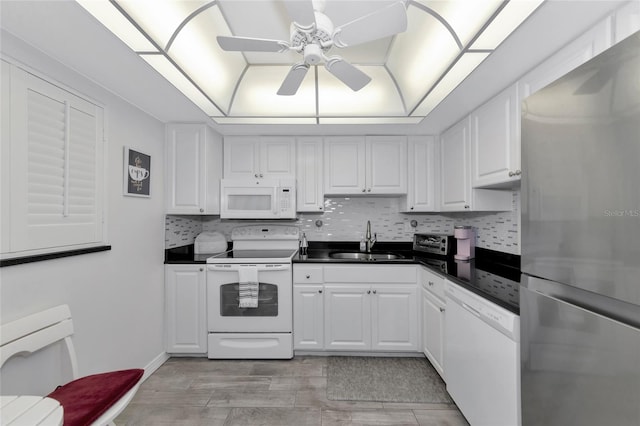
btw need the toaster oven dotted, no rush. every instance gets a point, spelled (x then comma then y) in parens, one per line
(440, 244)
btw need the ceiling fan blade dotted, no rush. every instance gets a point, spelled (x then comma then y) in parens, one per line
(301, 12)
(293, 80)
(235, 44)
(347, 73)
(382, 23)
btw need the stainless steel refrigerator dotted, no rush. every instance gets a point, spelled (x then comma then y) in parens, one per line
(580, 288)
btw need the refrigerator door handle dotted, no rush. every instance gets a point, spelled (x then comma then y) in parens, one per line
(587, 309)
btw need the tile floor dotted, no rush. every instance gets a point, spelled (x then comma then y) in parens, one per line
(198, 391)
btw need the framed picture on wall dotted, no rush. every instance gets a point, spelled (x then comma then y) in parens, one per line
(137, 173)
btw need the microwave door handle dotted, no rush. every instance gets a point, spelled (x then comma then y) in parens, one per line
(276, 204)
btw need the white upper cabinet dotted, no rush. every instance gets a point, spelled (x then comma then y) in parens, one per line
(344, 160)
(455, 176)
(454, 166)
(193, 169)
(310, 196)
(258, 157)
(371, 165)
(422, 184)
(386, 164)
(495, 141)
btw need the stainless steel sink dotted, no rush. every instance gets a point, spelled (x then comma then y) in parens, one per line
(364, 256)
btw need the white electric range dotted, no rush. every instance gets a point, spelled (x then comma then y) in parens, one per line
(250, 293)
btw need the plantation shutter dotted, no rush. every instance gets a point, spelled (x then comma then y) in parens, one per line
(57, 166)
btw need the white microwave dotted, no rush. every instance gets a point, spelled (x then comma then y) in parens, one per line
(258, 199)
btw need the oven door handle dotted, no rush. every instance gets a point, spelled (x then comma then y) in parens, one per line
(236, 267)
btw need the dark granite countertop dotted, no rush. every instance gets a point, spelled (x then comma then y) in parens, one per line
(492, 275)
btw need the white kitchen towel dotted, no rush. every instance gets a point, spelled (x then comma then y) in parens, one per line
(248, 287)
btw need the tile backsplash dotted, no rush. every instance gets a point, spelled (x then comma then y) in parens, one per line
(344, 219)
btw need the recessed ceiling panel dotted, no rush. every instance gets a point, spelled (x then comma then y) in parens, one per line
(420, 55)
(465, 17)
(160, 19)
(465, 65)
(197, 53)
(510, 17)
(266, 120)
(257, 94)
(370, 120)
(411, 72)
(378, 98)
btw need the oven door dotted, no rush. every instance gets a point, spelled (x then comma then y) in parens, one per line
(274, 311)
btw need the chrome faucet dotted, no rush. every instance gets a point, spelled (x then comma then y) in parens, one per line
(368, 241)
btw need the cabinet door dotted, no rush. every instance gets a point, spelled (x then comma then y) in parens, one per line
(185, 168)
(433, 314)
(310, 196)
(347, 317)
(308, 313)
(394, 317)
(241, 157)
(422, 171)
(495, 140)
(277, 157)
(185, 294)
(344, 167)
(454, 165)
(386, 165)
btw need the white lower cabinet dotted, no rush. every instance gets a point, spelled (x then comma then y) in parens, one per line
(356, 308)
(185, 299)
(433, 319)
(308, 313)
(347, 317)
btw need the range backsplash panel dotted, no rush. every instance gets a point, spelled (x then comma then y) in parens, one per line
(345, 219)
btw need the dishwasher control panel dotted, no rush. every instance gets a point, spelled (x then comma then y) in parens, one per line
(499, 318)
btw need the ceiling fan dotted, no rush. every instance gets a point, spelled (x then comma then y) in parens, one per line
(313, 34)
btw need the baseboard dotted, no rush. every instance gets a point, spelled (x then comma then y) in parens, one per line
(155, 363)
(356, 353)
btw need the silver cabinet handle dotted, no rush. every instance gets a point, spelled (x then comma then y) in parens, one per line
(320, 208)
(431, 283)
(368, 291)
(261, 175)
(364, 190)
(374, 291)
(320, 291)
(511, 174)
(308, 276)
(518, 172)
(201, 210)
(411, 208)
(256, 175)
(441, 309)
(201, 269)
(466, 206)
(369, 190)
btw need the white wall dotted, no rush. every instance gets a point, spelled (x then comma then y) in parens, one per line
(116, 297)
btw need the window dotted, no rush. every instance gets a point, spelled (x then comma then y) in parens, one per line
(52, 167)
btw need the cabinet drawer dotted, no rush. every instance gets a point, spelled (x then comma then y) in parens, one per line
(370, 274)
(433, 283)
(307, 274)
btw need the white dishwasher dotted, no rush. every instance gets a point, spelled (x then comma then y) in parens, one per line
(482, 358)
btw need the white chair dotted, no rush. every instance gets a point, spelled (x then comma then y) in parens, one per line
(91, 400)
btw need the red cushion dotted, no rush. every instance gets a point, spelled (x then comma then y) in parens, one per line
(87, 398)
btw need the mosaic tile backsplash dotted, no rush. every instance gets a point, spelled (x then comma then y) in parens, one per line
(345, 219)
